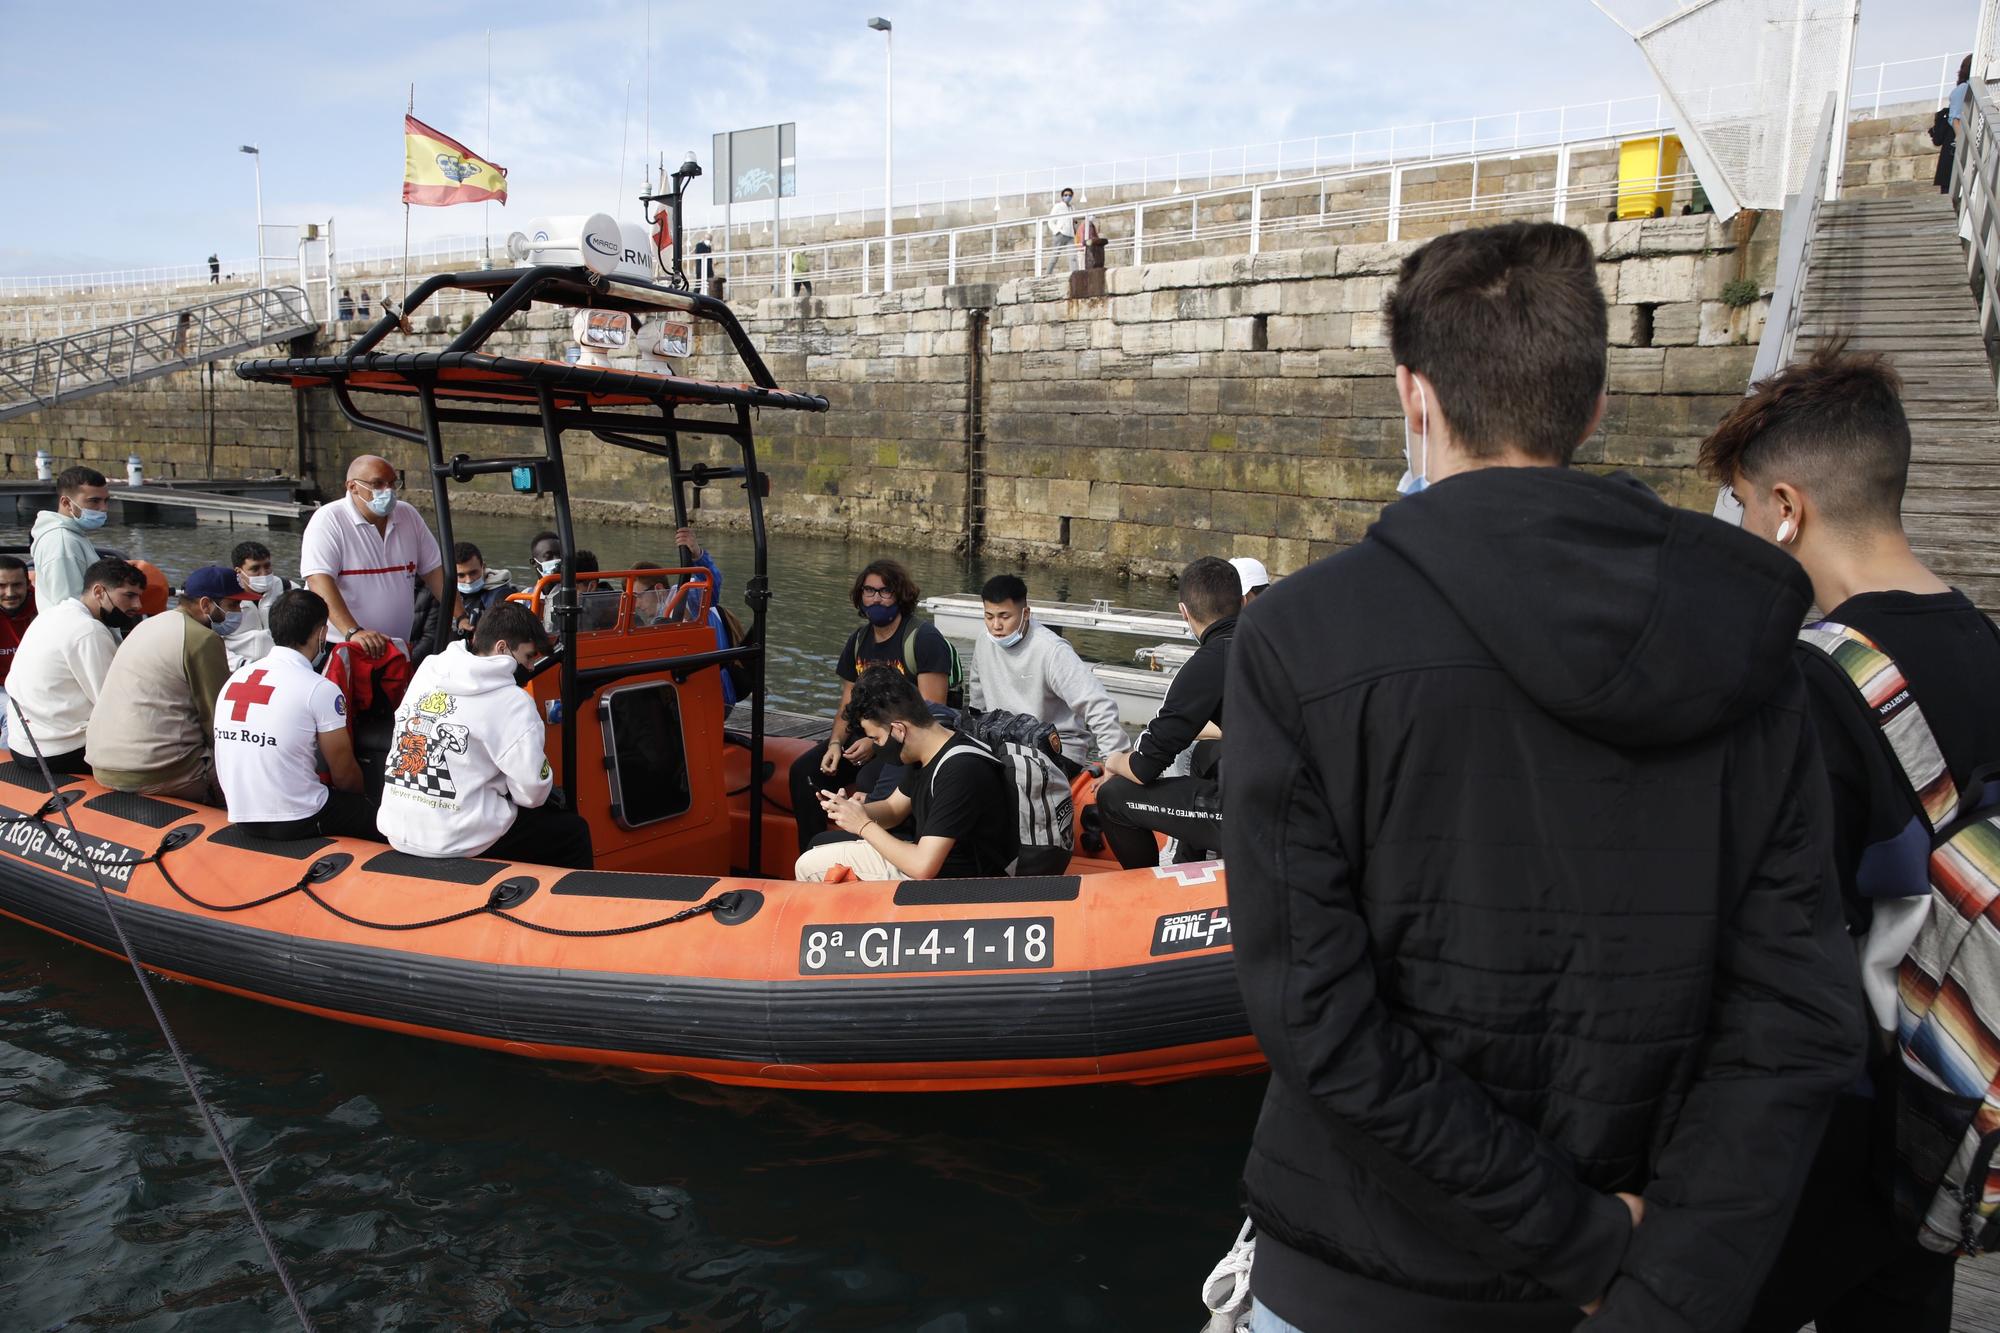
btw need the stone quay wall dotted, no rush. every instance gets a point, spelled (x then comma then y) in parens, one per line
(1237, 406)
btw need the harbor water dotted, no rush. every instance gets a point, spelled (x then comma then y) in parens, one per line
(419, 1186)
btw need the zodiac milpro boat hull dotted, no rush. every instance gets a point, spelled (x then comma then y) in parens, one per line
(1121, 976)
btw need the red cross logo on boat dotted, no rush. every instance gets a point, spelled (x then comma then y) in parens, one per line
(248, 691)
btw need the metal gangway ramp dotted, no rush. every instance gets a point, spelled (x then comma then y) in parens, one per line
(60, 370)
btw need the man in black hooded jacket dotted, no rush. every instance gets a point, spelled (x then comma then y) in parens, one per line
(1529, 869)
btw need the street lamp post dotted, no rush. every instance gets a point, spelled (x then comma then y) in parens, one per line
(887, 29)
(257, 160)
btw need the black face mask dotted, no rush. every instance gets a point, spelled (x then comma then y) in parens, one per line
(117, 621)
(891, 750)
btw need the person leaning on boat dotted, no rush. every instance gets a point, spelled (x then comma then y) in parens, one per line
(365, 556)
(152, 731)
(276, 719)
(1021, 666)
(1530, 882)
(62, 548)
(956, 795)
(59, 669)
(893, 640)
(467, 773)
(17, 612)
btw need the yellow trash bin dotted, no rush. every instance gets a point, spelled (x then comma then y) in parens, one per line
(1645, 169)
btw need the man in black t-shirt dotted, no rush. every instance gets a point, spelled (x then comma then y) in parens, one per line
(956, 793)
(1819, 456)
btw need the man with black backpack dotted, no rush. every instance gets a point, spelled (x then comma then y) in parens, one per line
(1819, 455)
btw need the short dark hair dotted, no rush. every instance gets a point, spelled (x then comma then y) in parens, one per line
(1508, 325)
(464, 551)
(13, 563)
(247, 551)
(584, 561)
(1211, 589)
(294, 617)
(883, 696)
(1005, 588)
(113, 573)
(646, 585)
(1835, 424)
(514, 623)
(543, 536)
(73, 479)
(895, 578)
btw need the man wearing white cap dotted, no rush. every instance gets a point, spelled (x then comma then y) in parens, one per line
(1255, 577)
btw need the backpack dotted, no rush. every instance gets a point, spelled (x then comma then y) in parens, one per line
(1946, 1089)
(954, 684)
(1941, 126)
(1045, 815)
(738, 672)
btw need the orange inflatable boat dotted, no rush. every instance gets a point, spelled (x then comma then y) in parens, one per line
(685, 951)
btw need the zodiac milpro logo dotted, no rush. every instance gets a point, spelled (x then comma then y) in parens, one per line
(1182, 931)
(456, 168)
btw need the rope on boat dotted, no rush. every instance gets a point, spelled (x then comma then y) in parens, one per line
(160, 1017)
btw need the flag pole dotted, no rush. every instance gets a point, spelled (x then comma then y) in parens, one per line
(486, 208)
(406, 219)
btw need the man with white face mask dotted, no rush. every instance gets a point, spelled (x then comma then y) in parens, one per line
(252, 640)
(1022, 667)
(152, 731)
(365, 556)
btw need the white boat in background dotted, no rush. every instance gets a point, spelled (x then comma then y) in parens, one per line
(1138, 689)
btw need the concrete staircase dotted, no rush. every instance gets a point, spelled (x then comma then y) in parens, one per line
(1890, 275)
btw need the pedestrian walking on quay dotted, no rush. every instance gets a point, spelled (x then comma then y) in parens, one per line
(1529, 866)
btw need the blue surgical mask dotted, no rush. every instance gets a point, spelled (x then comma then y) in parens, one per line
(382, 501)
(90, 520)
(467, 589)
(1413, 476)
(1011, 639)
(879, 614)
(229, 623)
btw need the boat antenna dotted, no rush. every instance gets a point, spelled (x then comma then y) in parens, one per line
(79, 851)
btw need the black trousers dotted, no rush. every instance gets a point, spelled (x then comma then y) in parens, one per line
(807, 782)
(69, 762)
(346, 814)
(547, 836)
(1844, 1264)
(1186, 808)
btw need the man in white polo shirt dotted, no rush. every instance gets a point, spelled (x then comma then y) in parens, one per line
(275, 719)
(364, 556)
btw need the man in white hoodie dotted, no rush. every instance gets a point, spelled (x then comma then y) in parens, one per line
(1023, 667)
(62, 547)
(60, 667)
(467, 773)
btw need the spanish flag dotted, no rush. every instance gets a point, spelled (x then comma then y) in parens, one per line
(439, 170)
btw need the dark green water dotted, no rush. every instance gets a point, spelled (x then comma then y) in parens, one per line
(419, 1186)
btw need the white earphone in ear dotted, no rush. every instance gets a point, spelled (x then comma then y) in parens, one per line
(1785, 531)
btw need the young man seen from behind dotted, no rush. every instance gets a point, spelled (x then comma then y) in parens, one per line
(59, 670)
(276, 721)
(1022, 667)
(153, 729)
(1529, 879)
(1819, 456)
(62, 547)
(466, 774)
(17, 612)
(956, 793)
(1136, 796)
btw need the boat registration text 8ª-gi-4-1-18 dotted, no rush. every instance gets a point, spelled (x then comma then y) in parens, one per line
(928, 946)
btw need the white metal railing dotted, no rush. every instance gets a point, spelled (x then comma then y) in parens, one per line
(1975, 184)
(1155, 229)
(1892, 83)
(1795, 243)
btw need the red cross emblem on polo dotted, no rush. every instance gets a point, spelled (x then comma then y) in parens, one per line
(247, 692)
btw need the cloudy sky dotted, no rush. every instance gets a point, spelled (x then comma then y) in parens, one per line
(119, 124)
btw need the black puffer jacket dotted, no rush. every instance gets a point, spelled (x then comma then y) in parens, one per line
(1528, 876)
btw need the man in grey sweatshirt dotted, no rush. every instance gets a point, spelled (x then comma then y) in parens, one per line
(1023, 668)
(62, 547)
